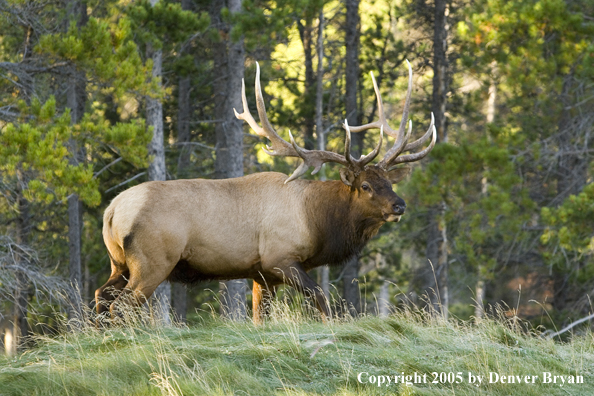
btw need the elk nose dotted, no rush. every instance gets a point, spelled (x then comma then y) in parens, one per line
(399, 207)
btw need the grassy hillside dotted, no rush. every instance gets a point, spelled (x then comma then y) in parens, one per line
(296, 356)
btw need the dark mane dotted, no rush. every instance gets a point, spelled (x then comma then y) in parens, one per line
(341, 231)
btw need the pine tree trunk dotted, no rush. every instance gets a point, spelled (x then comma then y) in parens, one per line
(440, 68)
(437, 248)
(74, 247)
(479, 291)
(183, 117)
(571, 173)
(306, 35)
(352, 294)
(179, 295)
(21, 325)
(323, 271)
(178, 291)
(352, 37)
(183, 127)
(443, 266)
(437, 254)
(572, 166)
(384, 300)
(75, 101)
(154, 119)
(86, 295)
(179, 302)
(320, 90)
(21, 297)
(157, 169)
(229, 60)
(480, 287)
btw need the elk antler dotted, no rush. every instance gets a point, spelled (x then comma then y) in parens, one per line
(391, 156)
(280, 147)
(365, 159)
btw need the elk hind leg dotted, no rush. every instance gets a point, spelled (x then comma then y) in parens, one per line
(134, 296)
(141, 285)
(107, 293)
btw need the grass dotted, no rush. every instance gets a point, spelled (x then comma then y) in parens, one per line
(295, 355)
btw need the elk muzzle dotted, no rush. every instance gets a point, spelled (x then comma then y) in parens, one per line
(397, 210)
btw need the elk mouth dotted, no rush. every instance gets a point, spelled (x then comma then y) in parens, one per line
(393, 217)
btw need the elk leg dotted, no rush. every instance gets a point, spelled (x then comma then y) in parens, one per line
(301, 281)
(105, 295)
(257, 303)
(262, 296)
(134, 295)
(141, 286)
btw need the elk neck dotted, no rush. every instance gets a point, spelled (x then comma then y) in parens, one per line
(339, 227)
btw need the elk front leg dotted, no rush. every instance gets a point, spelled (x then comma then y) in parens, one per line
(262, 296)
(301, 281)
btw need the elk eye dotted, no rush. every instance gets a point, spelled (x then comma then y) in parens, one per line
(365, 187)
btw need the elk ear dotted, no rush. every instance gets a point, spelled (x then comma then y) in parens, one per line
(347, 176)
(397, 174)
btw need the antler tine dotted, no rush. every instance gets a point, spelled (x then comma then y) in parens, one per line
(401, 139)
(316, 158)
(364, 160)
(382, 116)
(279, 146)
(371, 156)
(304, 166)
(421, 154)
(419, 142)
(400, 135)
(347, 145)
(246, 115)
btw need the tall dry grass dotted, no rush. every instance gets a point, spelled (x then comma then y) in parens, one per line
(293, 353)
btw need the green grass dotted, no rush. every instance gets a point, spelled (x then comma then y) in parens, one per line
(296, 356)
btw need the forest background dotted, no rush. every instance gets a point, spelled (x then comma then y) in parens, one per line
(97, 96)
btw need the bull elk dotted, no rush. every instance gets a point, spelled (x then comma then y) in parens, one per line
(264, 226)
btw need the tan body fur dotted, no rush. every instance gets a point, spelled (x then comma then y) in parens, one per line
(223, 228)
(253, 227)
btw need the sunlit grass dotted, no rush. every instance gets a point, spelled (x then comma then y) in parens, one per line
(292, 353)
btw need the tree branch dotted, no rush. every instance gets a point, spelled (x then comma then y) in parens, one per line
(570, 326)
(126, 182)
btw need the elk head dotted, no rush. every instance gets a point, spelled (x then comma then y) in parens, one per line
(370, 185)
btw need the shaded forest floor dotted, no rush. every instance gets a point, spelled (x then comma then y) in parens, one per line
(297, 356)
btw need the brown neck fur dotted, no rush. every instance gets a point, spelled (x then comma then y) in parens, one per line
(341, 228)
